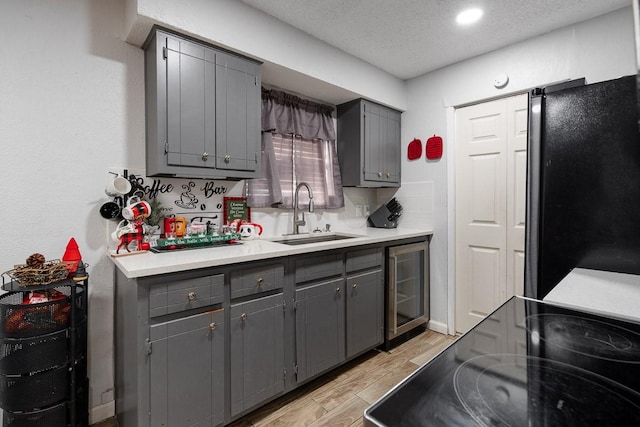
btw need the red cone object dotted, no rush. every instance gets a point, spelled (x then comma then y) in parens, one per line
(72, 255)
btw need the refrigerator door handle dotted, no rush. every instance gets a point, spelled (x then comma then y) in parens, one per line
(534, 187)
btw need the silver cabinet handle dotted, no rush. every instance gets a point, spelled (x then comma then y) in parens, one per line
(191, 296)
(243, 316)
(260, 281)
(355, 285)
(227, 158)
(387, 174)
(212, 326)
(379, 174)
(205, 156)
(338, 290)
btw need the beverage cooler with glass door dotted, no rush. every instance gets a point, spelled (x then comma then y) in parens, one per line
(407, 298)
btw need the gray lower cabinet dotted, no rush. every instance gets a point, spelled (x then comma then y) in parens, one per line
(319, 314)
(365, 311)
(186, 371)
(256, 351)
(205, 347)
(202, 109)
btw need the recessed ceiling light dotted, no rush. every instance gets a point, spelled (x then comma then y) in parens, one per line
(469, 16)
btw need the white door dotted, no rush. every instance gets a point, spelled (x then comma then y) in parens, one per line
(490, 171)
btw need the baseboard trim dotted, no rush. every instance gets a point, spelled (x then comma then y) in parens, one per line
(438, 327)
(102, 412)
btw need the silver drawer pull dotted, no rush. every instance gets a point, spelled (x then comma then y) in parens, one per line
(379, 174)
(260, 281)
(355, 285)
(191, 296)
(212, 326)
(243, 316)
(337, 290)
(227, 158)
(205, 156)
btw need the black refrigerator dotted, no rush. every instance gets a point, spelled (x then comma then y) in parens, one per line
(583, 182)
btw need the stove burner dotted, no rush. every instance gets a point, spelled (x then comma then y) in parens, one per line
(587, 336)
(518, 390)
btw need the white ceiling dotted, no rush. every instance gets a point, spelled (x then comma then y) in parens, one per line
(408, 38)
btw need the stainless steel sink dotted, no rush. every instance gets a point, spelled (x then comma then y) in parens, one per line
(313, 238)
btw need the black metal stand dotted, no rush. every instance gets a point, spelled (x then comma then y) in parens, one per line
(43, 355)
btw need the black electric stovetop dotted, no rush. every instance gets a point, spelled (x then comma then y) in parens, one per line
(528, 364)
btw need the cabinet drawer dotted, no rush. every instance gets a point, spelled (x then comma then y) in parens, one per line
(256, 280)
(185, 294)
(318, 267)
(363, 259)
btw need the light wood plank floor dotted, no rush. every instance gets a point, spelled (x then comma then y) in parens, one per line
(339, 398)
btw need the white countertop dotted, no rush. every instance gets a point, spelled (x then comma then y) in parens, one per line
(148, 263)
(601, 292)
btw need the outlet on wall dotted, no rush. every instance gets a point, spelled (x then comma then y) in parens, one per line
(359, 210)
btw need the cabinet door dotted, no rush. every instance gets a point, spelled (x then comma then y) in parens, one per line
(238, 113)
(257, 351)
(319, 328)
(381, 144)
(365, 310)
(186, 371)
(372, 143)
(390, 164)
(191, 105)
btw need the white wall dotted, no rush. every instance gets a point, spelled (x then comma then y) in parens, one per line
(599, 49)
(71, 105)
(293, 59)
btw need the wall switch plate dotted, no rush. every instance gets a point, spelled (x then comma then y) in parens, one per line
(359, 210)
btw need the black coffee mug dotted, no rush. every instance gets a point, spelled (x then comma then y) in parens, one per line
(111, 210)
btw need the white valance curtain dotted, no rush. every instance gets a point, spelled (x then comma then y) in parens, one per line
(298, 144)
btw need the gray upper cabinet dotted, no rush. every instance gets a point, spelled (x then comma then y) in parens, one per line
(237, 113)
(369, 136)
(203, 109)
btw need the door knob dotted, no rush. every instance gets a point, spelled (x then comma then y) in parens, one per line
(191, 296)
(243, 316)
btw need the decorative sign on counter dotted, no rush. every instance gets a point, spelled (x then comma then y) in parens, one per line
(198, 202)
(199, 240)
(236, 208)
(194, 199)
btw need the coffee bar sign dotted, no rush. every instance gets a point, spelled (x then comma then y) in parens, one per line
(194, 199)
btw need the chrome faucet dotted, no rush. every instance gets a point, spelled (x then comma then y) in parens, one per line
(298, 222)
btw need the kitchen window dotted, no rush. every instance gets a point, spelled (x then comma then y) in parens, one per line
(298, 145)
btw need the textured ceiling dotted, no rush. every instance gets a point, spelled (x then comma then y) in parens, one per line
(408, 38)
